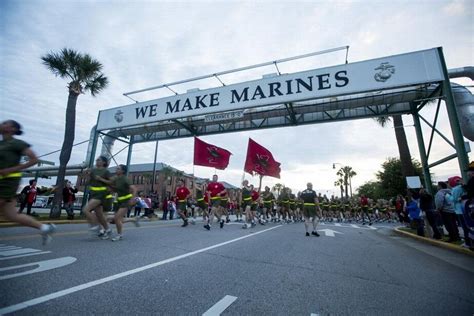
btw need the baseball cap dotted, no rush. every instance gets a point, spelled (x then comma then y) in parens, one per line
(453, 181)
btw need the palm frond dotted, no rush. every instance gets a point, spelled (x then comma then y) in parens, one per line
(383, 120)
(96, 85)
(57, 65)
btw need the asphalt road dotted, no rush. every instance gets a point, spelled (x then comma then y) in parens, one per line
(161, 268)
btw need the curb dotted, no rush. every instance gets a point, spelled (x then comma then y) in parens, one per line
(435, 242)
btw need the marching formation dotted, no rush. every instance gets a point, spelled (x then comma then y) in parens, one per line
(112, 196)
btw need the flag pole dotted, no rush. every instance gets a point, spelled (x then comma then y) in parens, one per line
(260, 184)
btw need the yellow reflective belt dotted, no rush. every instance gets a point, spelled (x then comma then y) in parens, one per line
(202, 199)
(181, 201)
(11, 175)
(309, 204)
(247, 199)
(98, 188)
(109, 196)
(125, 197)
(215, 198)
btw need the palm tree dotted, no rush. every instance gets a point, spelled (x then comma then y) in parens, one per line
(85, 75)
(403, 149)
(346, 174)
(340, 183)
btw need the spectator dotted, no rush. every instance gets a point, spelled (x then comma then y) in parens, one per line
(400, 209)
(165, 209)
(140, 204)
(427, 206)
(457, 191)
(148, 206)
(444, 204)
(69, 196)
(468, 202)
(172, 207)
(414, 213)
(28, 197)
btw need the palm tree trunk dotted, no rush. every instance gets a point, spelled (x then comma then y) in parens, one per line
(65, 153)
(403, 149)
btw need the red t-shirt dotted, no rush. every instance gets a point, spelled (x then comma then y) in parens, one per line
(32, 195)
(364, 201)
(215, 188)
(255, 195)
(182, 193)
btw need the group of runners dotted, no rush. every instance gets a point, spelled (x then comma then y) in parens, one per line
(211, 200)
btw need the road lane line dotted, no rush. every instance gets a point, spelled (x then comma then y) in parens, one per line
(337, 224)
(220, 306)
(26, 255)
(52, 296)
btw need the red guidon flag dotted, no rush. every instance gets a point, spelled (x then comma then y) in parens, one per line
(260, 160)
(209, 155)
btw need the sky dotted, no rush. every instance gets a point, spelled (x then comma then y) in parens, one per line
(147, 43)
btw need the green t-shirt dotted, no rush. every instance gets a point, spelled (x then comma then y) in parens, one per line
(308, 196)
(121, 185)
(11, 151)
(268, 197)
(101, 172)
(246, 194)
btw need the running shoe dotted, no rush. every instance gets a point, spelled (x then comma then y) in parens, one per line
(117, 238)
(315, 233)
(227, 220)
(207, 227)
(221, 224)
(107, 234)
(46, 234)
(307, 234)
(185, 223)
(245, 226)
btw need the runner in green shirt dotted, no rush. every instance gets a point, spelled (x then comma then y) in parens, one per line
(11, 150)
(310, 203)
(99, 177)
(125, 193)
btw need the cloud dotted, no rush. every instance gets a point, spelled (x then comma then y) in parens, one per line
(143, 44)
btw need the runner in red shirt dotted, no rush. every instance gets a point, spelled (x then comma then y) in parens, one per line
(182, 196)
(215, 190)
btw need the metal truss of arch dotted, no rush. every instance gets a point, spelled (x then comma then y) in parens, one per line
(409, 99)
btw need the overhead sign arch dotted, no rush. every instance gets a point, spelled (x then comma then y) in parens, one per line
(399, 84)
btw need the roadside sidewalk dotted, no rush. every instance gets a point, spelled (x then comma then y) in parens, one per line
(434, 242)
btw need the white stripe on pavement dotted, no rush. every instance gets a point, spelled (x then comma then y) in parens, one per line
(220, 306)
(26, 255)
(14, 252)
(337, 224)
(355, 226)
(52, 296)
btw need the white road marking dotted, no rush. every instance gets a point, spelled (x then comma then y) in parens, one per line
(330, 232)
(52, 296)
(355, 226)
(8, 248)
(42, 266)
(313, 314)
(26, 255)
(337, 224)
(220, 306)
(15, 252)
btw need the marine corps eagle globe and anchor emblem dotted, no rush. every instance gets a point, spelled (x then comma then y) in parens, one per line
(118, 116)
(386, 71)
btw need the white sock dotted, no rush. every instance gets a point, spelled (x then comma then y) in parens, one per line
(44, 228)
